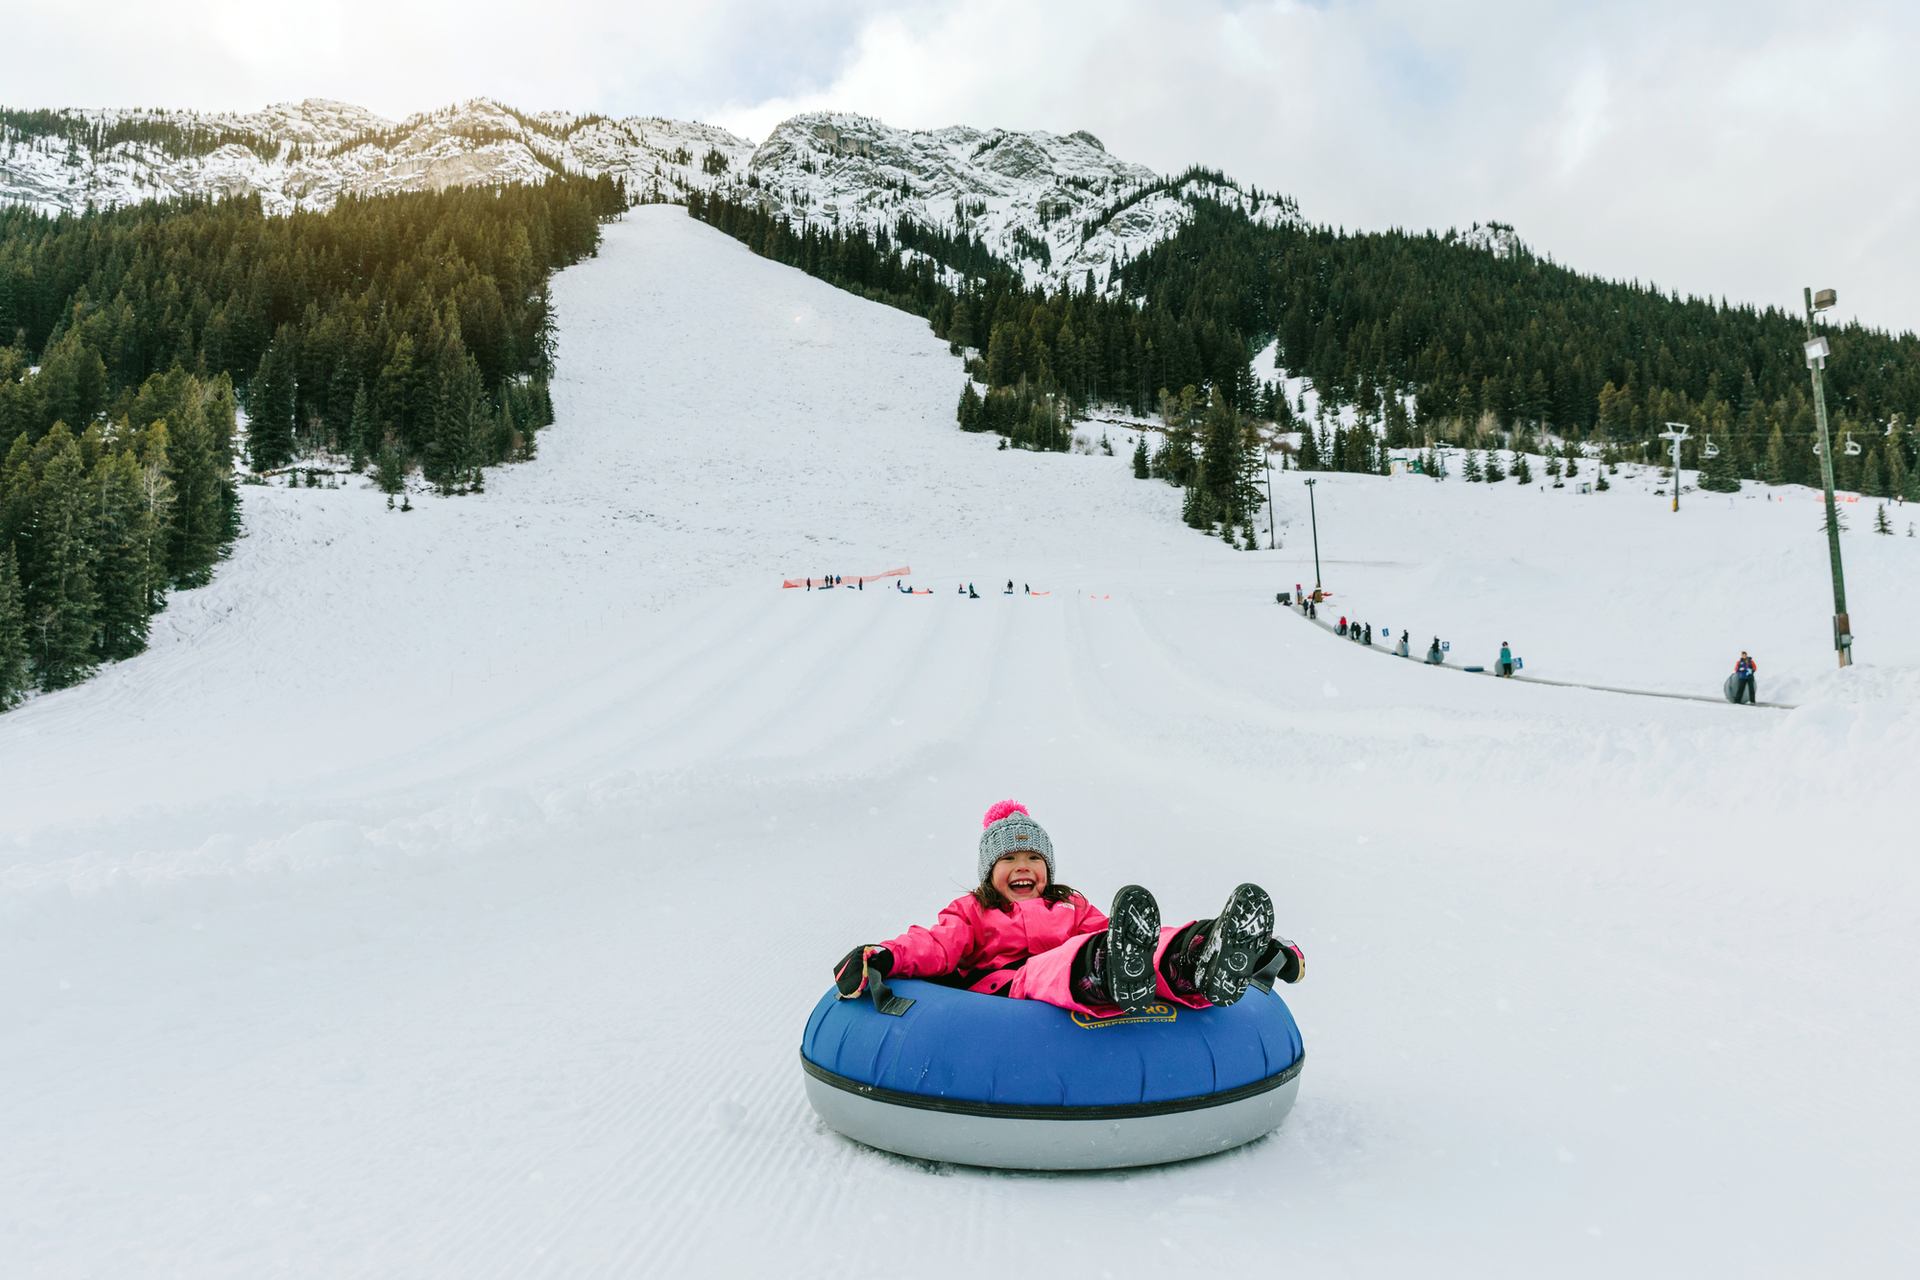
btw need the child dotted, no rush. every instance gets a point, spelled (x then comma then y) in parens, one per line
(1024, 934)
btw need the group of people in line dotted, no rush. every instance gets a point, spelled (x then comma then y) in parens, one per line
(860, 584)
(1308, 602)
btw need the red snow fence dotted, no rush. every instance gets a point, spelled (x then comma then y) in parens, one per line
(845, 580)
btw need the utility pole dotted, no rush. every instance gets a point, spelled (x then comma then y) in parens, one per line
(1676, 432)
(1315, 516)
(1816, 349)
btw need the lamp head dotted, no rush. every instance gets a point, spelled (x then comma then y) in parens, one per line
(1824, 299)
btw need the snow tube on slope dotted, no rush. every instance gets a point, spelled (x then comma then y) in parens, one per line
(1017, 1084)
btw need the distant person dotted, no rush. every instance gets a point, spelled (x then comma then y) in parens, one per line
(971, 593)
(1402, 650)
(1743, 673)
(1313, 610)
(1343, 625)
(1434, 655)
(1506, 659)
(1366, 637)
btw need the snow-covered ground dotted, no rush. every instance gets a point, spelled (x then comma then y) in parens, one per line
(445, 892)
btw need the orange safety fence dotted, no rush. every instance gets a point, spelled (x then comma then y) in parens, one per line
(845, 581)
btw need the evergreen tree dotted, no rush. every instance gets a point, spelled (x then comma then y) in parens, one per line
(1880, 523)
(199, 491)
(1223, 461)
(1717, 475)
(1492, 469)
(1140, 457)
(390, 467)
(1474, 473)
(1309, 459)
(969, 411)
(1774, 469)
(1193, 506)
(121, 553)
(60, 597)
(361, 431)
(270, 405)
(1522, 469)
(13, 631)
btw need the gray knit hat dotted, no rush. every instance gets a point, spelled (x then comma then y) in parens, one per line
(1009, 827)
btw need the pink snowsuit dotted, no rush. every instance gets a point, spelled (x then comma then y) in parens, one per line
(982, 946)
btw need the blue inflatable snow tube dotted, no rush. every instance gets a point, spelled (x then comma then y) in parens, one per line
(1016, 1084)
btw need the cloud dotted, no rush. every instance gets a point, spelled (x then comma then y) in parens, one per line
(1720, 149)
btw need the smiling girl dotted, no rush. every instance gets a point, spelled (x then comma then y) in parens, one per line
(1023, 934)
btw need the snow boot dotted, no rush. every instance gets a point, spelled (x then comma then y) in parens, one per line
(1217, 958)
(1116, 967)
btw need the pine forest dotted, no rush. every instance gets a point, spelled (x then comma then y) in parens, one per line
(397, 330)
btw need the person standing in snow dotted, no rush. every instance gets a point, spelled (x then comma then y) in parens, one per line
(1434, 654)
(1506, 659)
(1366, 637)
(1402, 650)
(1343, 625)
(1021, 933)
(1744, 671)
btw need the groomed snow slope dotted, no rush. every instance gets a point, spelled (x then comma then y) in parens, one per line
(444, 893)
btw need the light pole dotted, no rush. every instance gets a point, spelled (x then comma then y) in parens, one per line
(1816, 349)
(1315, 517)
(1676, 432)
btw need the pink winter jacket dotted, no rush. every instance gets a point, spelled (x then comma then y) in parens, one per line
(970, 940)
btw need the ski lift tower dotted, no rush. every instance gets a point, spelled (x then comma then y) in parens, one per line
(1817, 351)
(1676, 432)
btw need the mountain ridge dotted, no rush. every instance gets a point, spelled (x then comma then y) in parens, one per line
(1059, 207)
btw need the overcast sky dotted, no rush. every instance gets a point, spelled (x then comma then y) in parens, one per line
(1737, 148)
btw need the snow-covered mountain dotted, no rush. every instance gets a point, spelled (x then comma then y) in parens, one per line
(306, 155)
(1058, 206)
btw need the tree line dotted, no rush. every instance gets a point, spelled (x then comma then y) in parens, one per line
(403, 330)
(1429, 340)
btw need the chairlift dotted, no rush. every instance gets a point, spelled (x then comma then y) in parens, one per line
(1709, 449)
(1851, 445)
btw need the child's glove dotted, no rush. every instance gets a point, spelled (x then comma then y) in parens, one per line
(1293, 961)
(850, 975)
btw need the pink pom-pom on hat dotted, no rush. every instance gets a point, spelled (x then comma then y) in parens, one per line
(1007, 827)
(1001, 809)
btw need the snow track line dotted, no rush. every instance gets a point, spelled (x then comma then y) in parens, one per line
(1386, 651)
